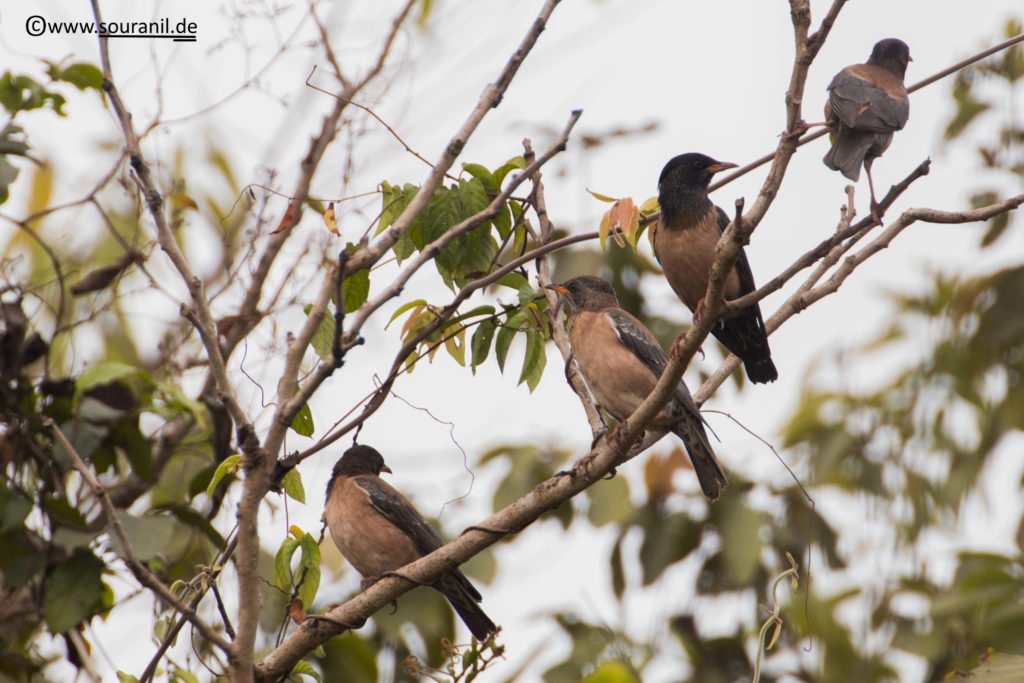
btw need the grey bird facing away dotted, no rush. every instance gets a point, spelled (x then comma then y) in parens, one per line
(621, 362)
(867, 103)
(378, 531)
(684, 244)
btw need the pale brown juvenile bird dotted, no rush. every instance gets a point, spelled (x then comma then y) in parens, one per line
(867, 103)
(621, 362)
(378, 531)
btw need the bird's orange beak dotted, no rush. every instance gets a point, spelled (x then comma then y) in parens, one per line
(387, 469)
(720, 166)
(557, 288)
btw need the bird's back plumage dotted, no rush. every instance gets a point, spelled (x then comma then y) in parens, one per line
(867, 103)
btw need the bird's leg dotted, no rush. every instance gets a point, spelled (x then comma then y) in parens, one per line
(583, 465)
(800, 128)
(876, 209)
(698, 312)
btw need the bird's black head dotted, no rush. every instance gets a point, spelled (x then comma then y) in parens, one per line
(685, 180)
(587, 292)
(893, 55)
(359, 460)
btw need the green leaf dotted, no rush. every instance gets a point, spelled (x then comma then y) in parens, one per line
(73, 591)
(618, 575)
(106, 372)
(14, 508)
(481, 342)
(455, 344)
(503, 221)
(309, 570)
(505, 335)
(526, 294)
(534, 361)
(513, 280)
(303, 422)
(292, 484)
(512, 164)
(137, 448)
(283, 562)
(82, 75)
(183, 675)
(609, 501)
(394, 201)
(611, 671)
(126, 678)
(230, 465)
(192, 517)
(21, 93)
(741, 527)
(355, 290)
(405, 307)
(149, 535)
(62, 510)
(484, 175)
(666, 541)
(306, 669)
(323, 338)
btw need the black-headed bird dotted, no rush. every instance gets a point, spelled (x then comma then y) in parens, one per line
(378, 531)
(684, 244)
(621, 362)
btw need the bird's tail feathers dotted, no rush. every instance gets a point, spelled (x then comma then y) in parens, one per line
(463, 599)
(709, 472)
(848, 152)
(761, 370)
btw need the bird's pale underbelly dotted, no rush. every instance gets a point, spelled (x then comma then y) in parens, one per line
(387, 550)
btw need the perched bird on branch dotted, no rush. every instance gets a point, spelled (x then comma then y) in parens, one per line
(866, 104)
(621, 362)
(378, 531)
(684, 244)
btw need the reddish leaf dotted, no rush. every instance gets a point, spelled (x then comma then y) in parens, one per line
(330, 221)
(286, 220)
(295, 611)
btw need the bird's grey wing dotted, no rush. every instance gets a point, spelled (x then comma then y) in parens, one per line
(859, 103)
(646, 348)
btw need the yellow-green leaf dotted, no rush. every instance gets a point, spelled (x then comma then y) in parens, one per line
(230, 465)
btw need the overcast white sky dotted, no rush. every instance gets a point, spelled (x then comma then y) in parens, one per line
(713, 75)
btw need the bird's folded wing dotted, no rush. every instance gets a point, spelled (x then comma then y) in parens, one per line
(859, 103)
(646, 348)
(400, 512)
(743, 271)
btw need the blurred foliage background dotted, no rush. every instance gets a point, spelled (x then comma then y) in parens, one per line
(895, 467)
